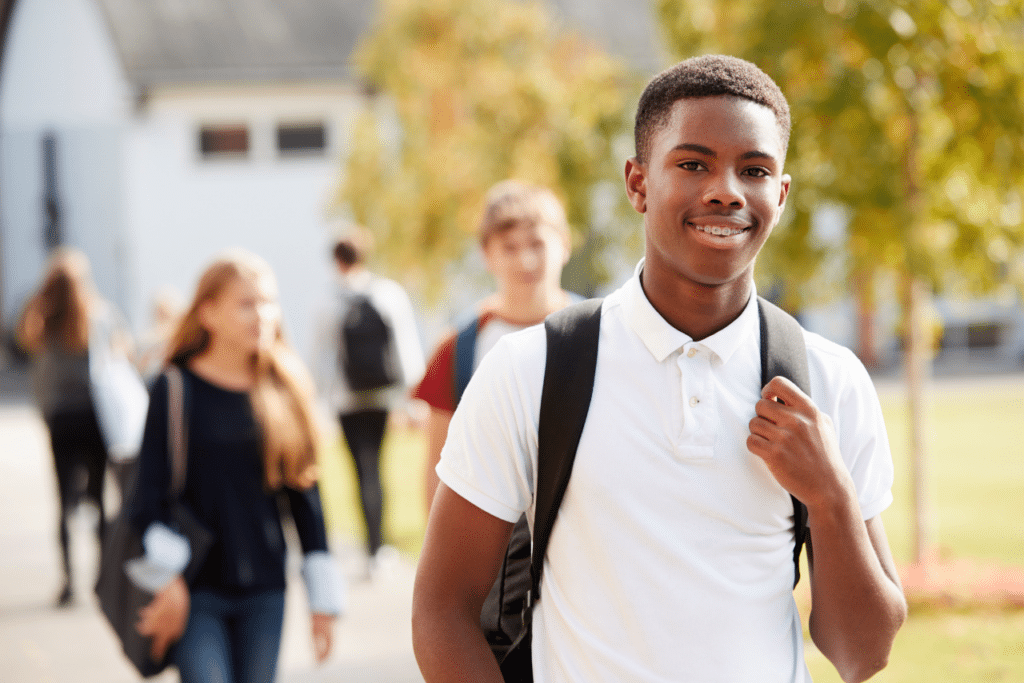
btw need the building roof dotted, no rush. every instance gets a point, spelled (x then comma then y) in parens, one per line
(184, 41)
(187, 41)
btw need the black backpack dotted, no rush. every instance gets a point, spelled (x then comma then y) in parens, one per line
(366, 355)
(572, 340)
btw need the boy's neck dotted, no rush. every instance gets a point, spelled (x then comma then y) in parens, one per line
(527, 308)
(698, 310)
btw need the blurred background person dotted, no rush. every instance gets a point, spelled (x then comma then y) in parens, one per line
(152, 346)
(367, 356)
(75, 339)
(525, 239)
(252, 444)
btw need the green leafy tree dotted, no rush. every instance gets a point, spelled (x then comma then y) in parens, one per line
(910, 115)
(470, 92)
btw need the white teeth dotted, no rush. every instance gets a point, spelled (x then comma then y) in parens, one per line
(715, 230)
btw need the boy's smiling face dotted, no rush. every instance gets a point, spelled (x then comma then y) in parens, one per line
(711, 190)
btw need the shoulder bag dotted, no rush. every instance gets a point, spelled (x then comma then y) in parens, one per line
(120, 599)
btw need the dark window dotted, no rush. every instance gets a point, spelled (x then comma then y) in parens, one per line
(224, 140)
(984, 335)
(301, 138)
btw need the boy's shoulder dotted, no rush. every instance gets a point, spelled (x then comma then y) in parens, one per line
(825, 350)
(836, 371)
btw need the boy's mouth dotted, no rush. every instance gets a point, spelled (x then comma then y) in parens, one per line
(719, 230)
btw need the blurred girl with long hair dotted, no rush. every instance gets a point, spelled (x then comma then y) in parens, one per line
(252, 443)
(55, 329)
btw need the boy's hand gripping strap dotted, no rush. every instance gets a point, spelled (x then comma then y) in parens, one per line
(784, 353)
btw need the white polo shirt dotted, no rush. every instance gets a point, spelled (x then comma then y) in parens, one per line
(671, 557)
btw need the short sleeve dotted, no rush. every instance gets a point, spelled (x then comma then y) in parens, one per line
(490, 455)
(845, 392)
(437, 385)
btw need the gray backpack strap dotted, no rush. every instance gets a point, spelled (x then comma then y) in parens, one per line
(177, 429)
(784, 353)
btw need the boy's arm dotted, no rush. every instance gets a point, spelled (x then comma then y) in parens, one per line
(857, 601)
(462, 553)
(856, 597)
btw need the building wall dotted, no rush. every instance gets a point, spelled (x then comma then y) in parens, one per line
(60, 76)
(183, 208)
(136, 195)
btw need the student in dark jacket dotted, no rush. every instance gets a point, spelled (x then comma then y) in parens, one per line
(252, 444)
(59, 323)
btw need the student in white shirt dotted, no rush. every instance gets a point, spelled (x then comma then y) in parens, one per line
(671, 556)
(363, 413)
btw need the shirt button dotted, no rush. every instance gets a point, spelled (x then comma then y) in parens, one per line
(694, 400)
(691, 353)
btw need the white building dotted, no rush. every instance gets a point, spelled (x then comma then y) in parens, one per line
(179, 129)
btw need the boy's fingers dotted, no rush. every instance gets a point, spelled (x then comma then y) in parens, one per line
(780, 388)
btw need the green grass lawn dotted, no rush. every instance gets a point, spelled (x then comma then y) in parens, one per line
(977, 482)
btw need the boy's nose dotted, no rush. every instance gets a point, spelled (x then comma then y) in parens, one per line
(528, 259)
(724, 189)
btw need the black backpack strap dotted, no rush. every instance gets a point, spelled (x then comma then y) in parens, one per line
(783, 352)
(572, 337)
(464, 355)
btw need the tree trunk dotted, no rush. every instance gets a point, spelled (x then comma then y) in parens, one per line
(917, 361)
(864, 299)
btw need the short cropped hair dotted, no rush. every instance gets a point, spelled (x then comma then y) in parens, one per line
(347, 252)
(511, 203)
(705, 76)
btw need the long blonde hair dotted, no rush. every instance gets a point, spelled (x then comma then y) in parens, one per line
(282, 394)
(59, 310)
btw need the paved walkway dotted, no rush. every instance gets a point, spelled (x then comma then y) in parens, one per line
(41, 644)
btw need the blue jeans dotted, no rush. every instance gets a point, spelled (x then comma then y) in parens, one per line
(231, 639)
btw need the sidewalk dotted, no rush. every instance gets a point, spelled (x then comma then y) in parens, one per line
(41, 644)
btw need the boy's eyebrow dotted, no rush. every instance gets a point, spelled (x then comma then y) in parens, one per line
(757, 154)
(693, 147)
(708, 152)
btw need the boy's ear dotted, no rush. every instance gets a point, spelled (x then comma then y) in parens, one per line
(636, 184)
(784, 191)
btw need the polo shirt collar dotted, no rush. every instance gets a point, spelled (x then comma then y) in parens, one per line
(661, 339)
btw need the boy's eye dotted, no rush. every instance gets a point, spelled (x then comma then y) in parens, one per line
(758, 172)
(690, 166)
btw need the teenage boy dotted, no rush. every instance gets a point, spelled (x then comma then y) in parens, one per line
(363, 413)
(525, 240)
(671, 555)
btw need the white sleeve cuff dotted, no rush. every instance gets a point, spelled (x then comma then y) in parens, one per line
(167, 555)
(324, 586)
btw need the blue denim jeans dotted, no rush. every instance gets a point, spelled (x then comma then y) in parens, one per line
(231, 639)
